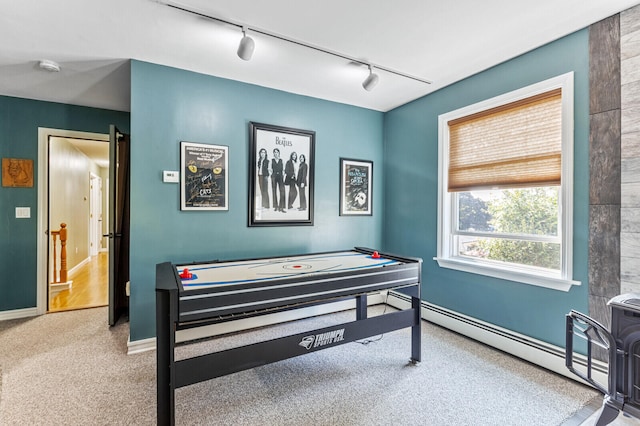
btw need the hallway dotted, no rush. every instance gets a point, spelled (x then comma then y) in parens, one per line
(90, 287)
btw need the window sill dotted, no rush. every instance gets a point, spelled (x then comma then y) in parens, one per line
(539, 280)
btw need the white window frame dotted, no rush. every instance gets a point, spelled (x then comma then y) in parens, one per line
(446, 254)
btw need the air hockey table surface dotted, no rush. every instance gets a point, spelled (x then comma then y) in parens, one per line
(271, 269)
(245, 287)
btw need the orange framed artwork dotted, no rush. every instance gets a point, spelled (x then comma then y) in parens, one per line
(17, 172)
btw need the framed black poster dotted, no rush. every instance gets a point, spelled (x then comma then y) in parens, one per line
(356, 187)
(204, 173)
(281, 168)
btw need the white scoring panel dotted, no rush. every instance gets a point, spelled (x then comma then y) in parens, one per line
(240, 272)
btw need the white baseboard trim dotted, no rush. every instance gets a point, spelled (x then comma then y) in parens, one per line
(139, 346)
(18, 313)
(533, 350)
(143, 345)
(78, 266)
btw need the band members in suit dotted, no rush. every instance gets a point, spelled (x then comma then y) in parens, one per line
(290, 171)
(277, 181)
(302, 181)
(263, 177)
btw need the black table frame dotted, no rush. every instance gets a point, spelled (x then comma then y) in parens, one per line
(174, 311)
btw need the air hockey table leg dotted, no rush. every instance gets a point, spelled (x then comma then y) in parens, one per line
(165, 336)
(361, 307)
(416, 332)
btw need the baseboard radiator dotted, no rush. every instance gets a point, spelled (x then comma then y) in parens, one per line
(532, 350)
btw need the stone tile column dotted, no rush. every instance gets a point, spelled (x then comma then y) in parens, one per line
(604, 164)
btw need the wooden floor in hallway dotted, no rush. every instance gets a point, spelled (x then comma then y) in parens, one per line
(90, 287)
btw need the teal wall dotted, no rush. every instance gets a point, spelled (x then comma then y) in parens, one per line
(411, 190)
(170, 105)
(19, 122)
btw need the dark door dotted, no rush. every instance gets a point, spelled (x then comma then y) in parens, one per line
(118, 224)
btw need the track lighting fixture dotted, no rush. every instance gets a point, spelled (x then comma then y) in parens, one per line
(371, 81)
(247, 45)
(245, 49)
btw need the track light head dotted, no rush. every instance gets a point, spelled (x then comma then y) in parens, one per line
(371, 81)
(245, 49)
(49, 65)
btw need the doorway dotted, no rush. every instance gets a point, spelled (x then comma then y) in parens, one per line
(73, 180)
(75, 205)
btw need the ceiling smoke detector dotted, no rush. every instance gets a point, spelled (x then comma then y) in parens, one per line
(48, 65)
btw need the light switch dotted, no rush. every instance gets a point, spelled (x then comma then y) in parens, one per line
(170, 176)
(23, 212)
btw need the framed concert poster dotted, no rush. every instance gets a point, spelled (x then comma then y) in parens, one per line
(281, 169)
(204, 177)
(356, 187)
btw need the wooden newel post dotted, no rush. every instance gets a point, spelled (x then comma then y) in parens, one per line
(63, 252)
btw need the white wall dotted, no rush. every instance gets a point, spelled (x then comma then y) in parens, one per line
(69, 171)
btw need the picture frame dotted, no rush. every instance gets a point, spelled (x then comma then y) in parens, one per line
(290, 176)
(17, 172)
(204, 176)
(356, 187)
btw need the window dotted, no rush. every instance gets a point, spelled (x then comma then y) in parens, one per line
(505, 186)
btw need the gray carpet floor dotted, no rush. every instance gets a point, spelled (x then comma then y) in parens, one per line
(72, 369)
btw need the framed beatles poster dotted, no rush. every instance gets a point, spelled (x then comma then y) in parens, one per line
(204, 177)
(356, 187)
(281, 171)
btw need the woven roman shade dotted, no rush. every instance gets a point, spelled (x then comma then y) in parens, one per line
(513, 145)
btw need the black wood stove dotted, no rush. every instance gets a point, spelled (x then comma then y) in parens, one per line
(620, 346)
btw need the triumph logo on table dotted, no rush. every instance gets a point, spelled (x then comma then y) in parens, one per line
(323, 339)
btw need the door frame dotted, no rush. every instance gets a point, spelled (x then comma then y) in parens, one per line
(42, 256)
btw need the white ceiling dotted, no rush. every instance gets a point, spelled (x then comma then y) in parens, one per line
(443, 41)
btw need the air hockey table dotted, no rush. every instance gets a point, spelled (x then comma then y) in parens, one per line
(198, 294)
